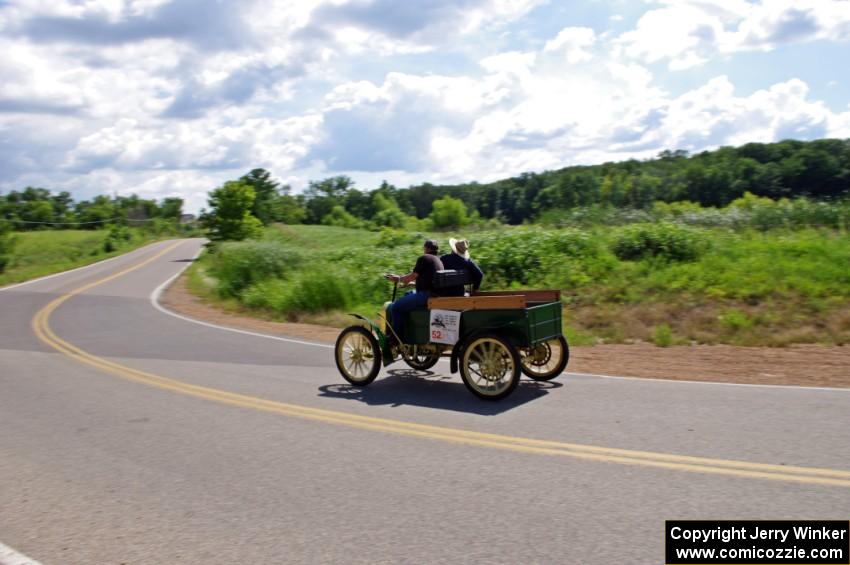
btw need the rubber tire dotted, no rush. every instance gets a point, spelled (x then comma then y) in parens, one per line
(464, 371)
(376, 352)
(565, 358)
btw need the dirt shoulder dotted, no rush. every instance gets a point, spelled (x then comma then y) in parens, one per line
(801, 365)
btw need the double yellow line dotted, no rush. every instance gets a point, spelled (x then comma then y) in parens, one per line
(818, 476)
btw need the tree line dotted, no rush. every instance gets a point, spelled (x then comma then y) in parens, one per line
(815, 169)
(240, 208)
(787, 169)
(39, 208)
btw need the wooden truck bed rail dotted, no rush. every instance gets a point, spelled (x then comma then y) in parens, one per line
(500, 302)
(530, 295)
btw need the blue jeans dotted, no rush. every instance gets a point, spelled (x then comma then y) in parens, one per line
(398, 309)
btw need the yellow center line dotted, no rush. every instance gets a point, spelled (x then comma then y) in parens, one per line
(811, 475)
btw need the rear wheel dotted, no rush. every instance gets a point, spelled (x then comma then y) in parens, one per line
(490, 367)
(546, 360)
(422, 357)
(358, 355)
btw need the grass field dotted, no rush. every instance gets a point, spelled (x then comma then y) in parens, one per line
(663, 283)
(40, 253)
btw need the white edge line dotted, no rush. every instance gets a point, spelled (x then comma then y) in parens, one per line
(717, 383)
(9, 556)
(155, 296)
(89, 266)
(157, 293)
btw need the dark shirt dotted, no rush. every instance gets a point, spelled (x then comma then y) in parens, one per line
(426, 267)
(458, 263)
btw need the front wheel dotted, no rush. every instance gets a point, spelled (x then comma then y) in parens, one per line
(490, 367)
(546, 360)
(358, 355)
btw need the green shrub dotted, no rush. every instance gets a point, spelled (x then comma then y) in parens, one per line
(269, 294)
(765, 214)
(391, 218)
(736, 320)
(118, 236)
(526, 256)
(161, 226)
(663, 336)
(393, 238)
(7, 244)
(315, 291)
(664, 240)
(676, 209)
(318, 291)
(339, 217)
(238, 265)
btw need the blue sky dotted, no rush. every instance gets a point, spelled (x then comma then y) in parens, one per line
(173, 97)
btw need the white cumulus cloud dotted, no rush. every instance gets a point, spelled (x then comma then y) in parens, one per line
(687, 33)
(575, 42)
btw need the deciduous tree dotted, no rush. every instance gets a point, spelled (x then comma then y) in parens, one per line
(448, 212)
(230, 216)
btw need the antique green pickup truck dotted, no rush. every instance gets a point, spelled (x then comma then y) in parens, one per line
(494, 336)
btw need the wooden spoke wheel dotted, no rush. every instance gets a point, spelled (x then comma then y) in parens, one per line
(490, 367)
(546, 360)
(358, 355)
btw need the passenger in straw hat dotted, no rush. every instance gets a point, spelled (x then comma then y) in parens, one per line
(459, 260)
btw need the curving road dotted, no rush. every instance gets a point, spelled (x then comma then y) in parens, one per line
(134, 436)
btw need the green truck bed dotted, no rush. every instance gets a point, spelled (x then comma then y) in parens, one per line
(524, 327)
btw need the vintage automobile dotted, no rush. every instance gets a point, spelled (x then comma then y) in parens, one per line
(497, 335)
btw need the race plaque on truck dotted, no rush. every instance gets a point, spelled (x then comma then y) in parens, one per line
(445, 326)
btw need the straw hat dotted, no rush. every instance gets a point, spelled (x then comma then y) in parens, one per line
(460, 246)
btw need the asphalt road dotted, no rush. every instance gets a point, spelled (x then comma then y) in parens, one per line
(132, 436)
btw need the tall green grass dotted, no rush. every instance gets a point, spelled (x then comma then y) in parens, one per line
(666, 282)
(40, 253)
(238, 265)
